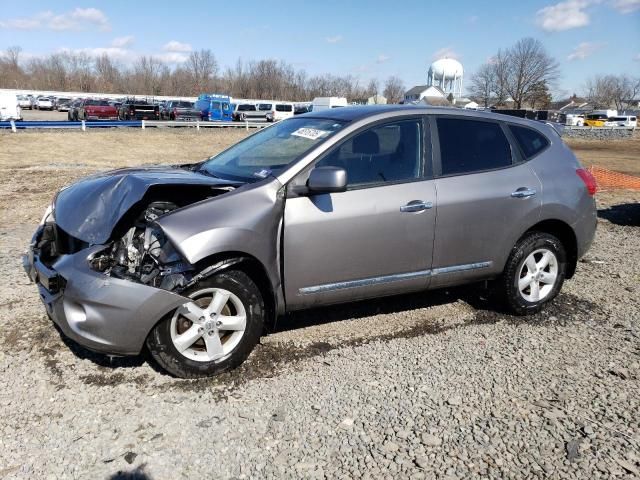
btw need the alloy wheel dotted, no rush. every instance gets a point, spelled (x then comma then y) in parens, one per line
(538, 275)
(209, 327)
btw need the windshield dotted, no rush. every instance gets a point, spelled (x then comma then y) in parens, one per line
(271, 150)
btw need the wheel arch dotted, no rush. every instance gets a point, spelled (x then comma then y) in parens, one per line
(250, 265)
(565, 234)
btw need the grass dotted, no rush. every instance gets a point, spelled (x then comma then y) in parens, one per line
(35, 164)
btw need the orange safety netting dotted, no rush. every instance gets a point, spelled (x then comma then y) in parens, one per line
(609, 179)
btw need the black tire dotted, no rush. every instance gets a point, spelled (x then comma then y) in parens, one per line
(164, 352)
(508, 282)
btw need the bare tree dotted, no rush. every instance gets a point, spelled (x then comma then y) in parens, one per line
(202, 66)
(604, 91)
(483, 84)
(527, 65)
(372, 88)
(394, 90)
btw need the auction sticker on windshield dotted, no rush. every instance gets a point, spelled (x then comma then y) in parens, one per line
(310, 133)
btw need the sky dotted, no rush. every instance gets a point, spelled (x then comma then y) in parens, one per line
(366, 39)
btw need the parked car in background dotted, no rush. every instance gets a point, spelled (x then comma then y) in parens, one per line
(629, 121)
(214, 107)
(62, 104)
(596, 120)
(72, 112)
(279, 111)
(574, 119)
(44, 103)
(299, 109)
(94, 109)
(349, 204)
(9, 107)
(180, 110)
(247, 111)
(132, 109)
(25, 102)
(324, 103)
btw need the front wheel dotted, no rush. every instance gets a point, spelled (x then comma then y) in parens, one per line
(534, 273)
(214, 332)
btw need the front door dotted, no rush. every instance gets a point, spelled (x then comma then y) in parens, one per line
(374, 239)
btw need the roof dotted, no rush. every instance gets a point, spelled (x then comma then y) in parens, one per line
(436, 101)
(417, 90)
(364, 111)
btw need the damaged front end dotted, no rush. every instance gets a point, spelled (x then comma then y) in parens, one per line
(144, 255)
(105, 280)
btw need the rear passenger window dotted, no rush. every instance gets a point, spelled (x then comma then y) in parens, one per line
(530, 141)
(468, 146)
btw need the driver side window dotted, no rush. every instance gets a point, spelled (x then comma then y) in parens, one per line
(385, 153)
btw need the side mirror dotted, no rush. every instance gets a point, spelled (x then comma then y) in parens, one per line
(327, 180)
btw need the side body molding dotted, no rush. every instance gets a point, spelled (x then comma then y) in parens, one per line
(247, 220)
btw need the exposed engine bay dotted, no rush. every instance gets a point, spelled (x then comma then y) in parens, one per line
(144, 255)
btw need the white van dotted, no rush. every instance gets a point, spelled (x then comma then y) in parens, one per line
(324, 103)
(280, 111)
(9, 109)
(630, 121)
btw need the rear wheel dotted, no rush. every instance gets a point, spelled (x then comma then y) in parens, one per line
(534, 273)
(214, 332)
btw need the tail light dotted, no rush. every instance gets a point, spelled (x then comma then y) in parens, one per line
(589, 180)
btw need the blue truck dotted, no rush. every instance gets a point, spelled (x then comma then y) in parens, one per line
(214, 107)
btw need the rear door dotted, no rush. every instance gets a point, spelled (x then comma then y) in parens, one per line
(374, 239)
(486, 198)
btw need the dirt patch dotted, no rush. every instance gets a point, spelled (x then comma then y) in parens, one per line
(618, 155)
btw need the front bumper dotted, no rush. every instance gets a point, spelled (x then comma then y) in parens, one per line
(101, 313)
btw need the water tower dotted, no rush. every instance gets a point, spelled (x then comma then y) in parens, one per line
(447, 74)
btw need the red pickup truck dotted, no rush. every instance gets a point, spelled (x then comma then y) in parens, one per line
(91, 109)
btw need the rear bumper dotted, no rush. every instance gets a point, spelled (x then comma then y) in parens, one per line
(145, 116)
(99, 312)
(585, 228)
(102, 117)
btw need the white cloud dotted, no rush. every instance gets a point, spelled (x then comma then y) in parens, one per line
(584, 50)
(175, 46)
(382, 58)
(563, 16)
(78, 19)
(334, 39)
(172, 57)
(445, 52)
(626, 6)
(121, 42)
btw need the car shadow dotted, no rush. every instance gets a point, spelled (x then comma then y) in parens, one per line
(625, 214)
(135, 474)
(476, 295)
(99, 359)
(473, 294)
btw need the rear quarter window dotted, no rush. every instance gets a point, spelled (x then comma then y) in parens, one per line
(468, 146)
(529, 140)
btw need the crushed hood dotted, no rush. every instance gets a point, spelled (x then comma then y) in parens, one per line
(90, 209)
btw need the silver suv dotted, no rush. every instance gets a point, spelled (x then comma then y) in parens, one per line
(327, 207)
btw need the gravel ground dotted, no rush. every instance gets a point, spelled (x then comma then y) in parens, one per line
(435, 385)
